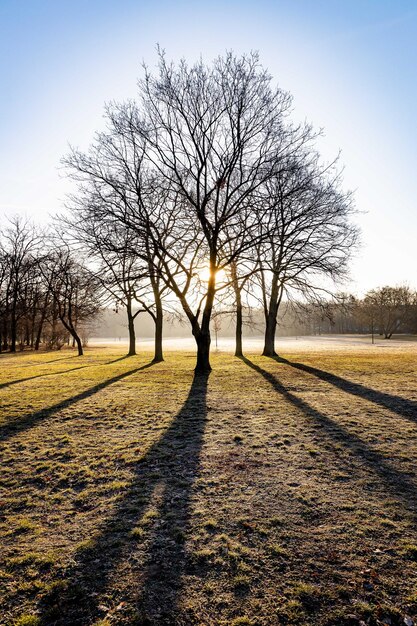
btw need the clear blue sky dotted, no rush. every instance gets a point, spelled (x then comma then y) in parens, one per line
(350, 65)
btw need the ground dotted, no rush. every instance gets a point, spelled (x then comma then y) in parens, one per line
(277, 491)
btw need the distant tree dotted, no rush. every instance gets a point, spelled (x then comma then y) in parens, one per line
(43, 309)
(217, 325)
(391, 308)
(344, 308)
(19, 248)
(75, 292)
(4, 271)
(115, 258)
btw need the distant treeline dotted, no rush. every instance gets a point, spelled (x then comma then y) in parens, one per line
(48, 296)
(384, 311)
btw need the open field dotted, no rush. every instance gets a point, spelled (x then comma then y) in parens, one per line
(255, 344)
(275, 492)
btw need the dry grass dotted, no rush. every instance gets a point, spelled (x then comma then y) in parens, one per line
(276, 492)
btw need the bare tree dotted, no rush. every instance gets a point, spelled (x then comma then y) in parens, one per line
(217, 324)
(215, 135)
(242, 271)
(4, 272)
(74, 289)
(205, 169)
(309, 237)
(390, 308)
(113, 254)
(114, 214)
(20, 243)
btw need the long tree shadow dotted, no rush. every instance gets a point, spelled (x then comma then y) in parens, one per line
(29, 420)
(23, 380)
(9, 383)
(397, 404)
(64, 358)
(162, 479)
(399, 483)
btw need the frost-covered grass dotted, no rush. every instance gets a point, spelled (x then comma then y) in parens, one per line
(275, 492)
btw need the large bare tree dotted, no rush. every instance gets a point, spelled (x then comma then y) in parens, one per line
(206, 168)
(215, 135)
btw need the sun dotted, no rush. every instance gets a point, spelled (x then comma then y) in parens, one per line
(204, 275)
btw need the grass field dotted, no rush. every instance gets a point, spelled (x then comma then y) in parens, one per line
(275, 492)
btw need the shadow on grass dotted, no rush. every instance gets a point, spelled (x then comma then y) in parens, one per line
(22, 354)
(73, 369)
(401, 406)
(29, 420)
(398, 483)
(163, 480)
(23, 380)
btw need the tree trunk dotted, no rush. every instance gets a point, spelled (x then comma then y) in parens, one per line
(39, 335)
(40, 327)
(79, 344)
(202, 336)
(132, 335)
(239, 316)
(5, 333)
(271, 319)
(270, 329)
(239, 324)
(159, 320)
(13, 333)
(203, 353)
(75, 337)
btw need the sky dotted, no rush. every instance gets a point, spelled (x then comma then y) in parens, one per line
(350, 66)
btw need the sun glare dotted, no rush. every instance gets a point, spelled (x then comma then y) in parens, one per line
(204, 274)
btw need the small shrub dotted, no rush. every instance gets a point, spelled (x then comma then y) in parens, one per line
(307, 594)
(31, 559)
(24, 525)
(149, 517)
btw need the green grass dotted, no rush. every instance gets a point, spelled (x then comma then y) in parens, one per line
(270, 494)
